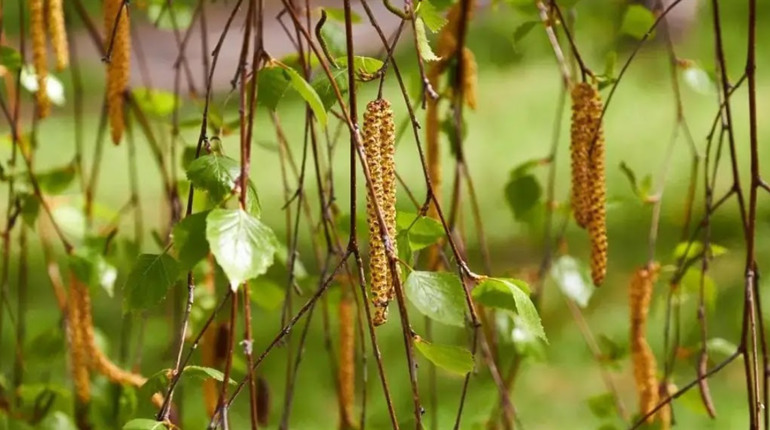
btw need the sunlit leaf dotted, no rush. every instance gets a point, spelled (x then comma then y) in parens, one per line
(426, 52)
(56, 420)
(178, 15)
(697, 78)
(144, 424)
(637, 21)
(437, 295)
(155, 102)
(573, 279)
(432, 17)
(243, 246)
(507, 294)
(451, 358)
(362, 65)
(693, 249)
(149, 280)
(202, 372)
(53, 86)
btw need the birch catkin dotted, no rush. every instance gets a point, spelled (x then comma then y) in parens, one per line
(347, 368)
(39, 55)
(78, 356)
(58, 32)
(645, 366)
(588, 177)
(119, 63)
(379, 146)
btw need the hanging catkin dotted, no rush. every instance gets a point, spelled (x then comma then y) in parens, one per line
(58, 32)
(645, 366)
(588, 179)
(78, 355)
(580, 133)
(470, 77)
(347, 368)
(39, 55)
(379, 145)
(119, 63)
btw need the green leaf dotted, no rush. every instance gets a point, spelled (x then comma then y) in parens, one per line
(338, 15)
(144, 424)
(217, 174)
(90, 266)
(426, 52)
(243, 246)
(611, 352)
(30, 208)
(56, 180)
(71, 220)
(610, 62)
(523, 30)
(154, 102)
(522, 194)
(421, 231)
(448, 357)
(307, 92)
(602, 405)
(57, 420)
(573, 280)
(266, 293)
(637, 21)
(178, 16)
(334, 36)
(365, 66)
(691, 284)
(272, 84)
(432, 17)
(508, 294)
(202, 372)
(690, 250)
(641, 189)
(697, 78)
(46, 345)
(10, 58)
(323, 87)
(53, 85)
(721, 348)
(149, 280)
(190, 240)
(156, 383)
(437, 295)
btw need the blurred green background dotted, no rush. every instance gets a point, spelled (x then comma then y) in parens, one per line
(519, 85)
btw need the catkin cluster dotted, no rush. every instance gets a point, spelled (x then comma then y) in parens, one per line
(380, 147)
(588, 178)
(119, 48)
(645, 366)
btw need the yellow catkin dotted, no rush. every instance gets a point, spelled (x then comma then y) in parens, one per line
(119, 64)
(645, 366)
(580, 133)
(389, 181)
(470, 77)
(379, 145)
(39, 55)
(347, 368)
(58, 32)
(597, 222)
(78, 354)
